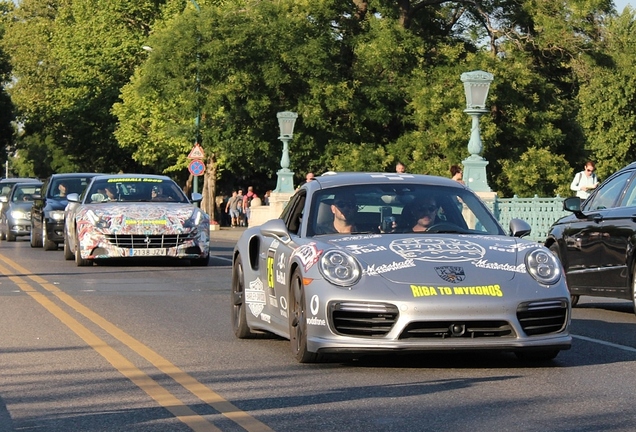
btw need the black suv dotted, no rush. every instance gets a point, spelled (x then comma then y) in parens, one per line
(47, 213)
(597, 242)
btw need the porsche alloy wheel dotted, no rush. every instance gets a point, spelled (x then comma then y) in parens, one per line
(239, 313)
(298, 321)
(554, 248)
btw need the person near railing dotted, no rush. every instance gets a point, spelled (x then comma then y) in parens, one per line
(585, 181)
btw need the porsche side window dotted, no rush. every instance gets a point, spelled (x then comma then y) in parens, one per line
(607, 196)
(293, 213)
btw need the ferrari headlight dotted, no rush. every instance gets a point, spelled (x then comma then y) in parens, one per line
(340, 268)
(543, 266)
(90, 214)
(197, 217)
(56, 215)
(19, 214)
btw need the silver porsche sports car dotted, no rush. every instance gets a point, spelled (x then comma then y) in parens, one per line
(363, 263)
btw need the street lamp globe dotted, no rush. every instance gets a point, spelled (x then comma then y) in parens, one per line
(286, 121)
(476, 86)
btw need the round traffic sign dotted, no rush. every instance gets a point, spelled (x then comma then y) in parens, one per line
(196, 167)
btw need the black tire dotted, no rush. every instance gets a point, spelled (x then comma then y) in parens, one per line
(298, 321)
(36, 240)
(47, 244)
(634, 288)
(554, 248)
(239, 312)
(68, 253)
(10, 236)
(79, 260)
(537, 356)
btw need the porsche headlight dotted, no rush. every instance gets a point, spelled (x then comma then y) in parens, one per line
(340, 268)
(56, 215)
(543, 266)
(19, 214)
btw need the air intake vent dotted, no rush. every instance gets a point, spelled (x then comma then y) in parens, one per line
(457, 329)
(543, 317)
(362, 319)
(140, 241)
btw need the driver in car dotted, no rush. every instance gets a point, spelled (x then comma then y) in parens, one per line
(425, 215)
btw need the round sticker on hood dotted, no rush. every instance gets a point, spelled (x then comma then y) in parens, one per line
(437, 249)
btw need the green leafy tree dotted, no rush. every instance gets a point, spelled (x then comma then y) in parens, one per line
(608, 97)
(80, 53)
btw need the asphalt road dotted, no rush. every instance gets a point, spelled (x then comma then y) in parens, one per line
(149, 347)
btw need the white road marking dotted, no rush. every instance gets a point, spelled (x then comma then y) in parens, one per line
(610, 344)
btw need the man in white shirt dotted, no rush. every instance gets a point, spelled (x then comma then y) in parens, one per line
(585, 181)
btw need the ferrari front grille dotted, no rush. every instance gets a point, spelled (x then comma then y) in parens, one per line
(543, 317)
(457, 329)
(362, 319)
(141, 241)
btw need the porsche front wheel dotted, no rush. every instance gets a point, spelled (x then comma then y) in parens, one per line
(298, 321)
(239, 313)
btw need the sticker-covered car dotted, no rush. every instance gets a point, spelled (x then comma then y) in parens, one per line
(362, 263)
(135, 216)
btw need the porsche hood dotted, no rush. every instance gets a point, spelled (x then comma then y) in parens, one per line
(412, 258)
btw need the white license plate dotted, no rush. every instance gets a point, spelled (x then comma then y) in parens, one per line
(148, 252)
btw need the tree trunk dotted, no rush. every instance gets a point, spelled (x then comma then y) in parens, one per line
(209, 187)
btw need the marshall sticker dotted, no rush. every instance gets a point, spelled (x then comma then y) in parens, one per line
(521, 268)
(374, 270)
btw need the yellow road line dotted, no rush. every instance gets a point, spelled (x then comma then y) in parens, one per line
(202, 392)
(119, 362)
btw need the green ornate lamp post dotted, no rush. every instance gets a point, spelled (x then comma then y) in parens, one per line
(286, 121)
(197, 120)
(476, 86)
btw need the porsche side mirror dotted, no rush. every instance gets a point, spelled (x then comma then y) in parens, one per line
(519, 228)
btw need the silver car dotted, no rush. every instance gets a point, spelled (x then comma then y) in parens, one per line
(363, 263)
(15, 217)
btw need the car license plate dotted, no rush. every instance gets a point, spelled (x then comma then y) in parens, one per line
(148, 252)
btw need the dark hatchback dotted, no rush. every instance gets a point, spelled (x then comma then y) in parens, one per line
(597, 242)
(47, 213)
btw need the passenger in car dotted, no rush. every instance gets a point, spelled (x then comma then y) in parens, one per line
(344, 209)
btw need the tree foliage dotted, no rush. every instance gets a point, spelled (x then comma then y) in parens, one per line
(373, 82)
